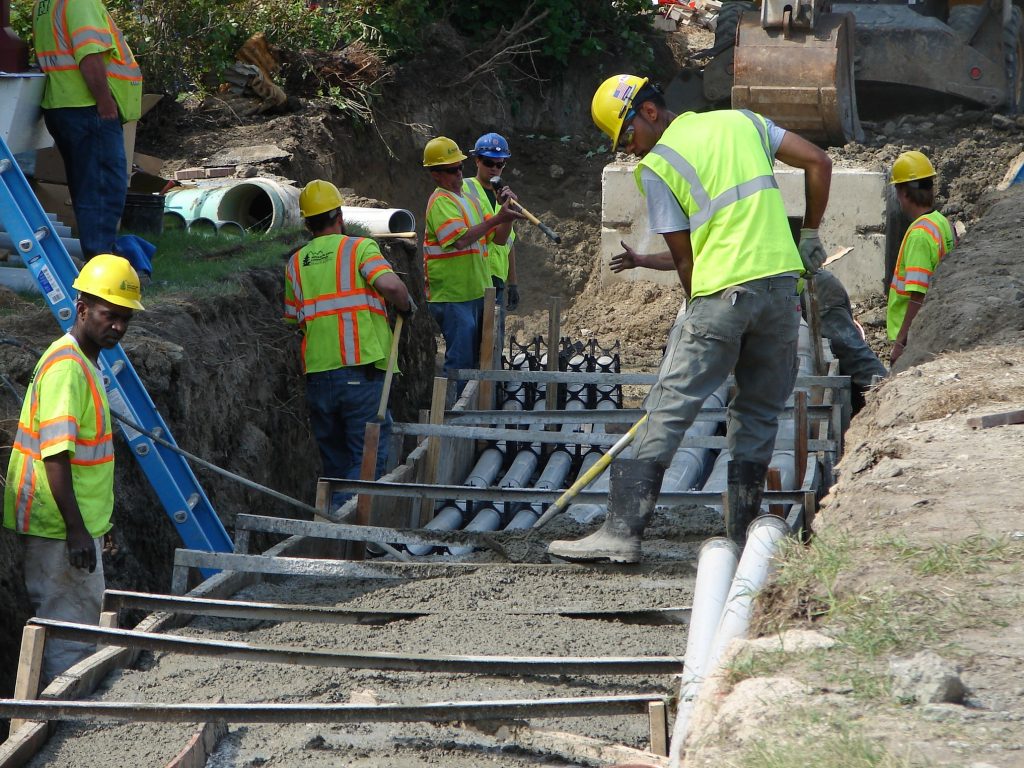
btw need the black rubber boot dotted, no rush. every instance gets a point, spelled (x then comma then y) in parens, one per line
(632, 494)
(746, 489)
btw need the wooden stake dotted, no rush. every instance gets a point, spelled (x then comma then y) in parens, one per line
(322, 503)
(30, 668)
(485, 398)
(800, 434)
(554, 333)
(658, 727)
(438, 400)
(202, 744)
(774, 481)
(368, 471)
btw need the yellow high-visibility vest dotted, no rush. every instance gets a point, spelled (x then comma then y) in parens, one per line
(454, 274)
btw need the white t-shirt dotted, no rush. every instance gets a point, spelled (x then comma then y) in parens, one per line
(663, 211)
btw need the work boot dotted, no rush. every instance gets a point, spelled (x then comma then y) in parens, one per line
(632, 494)
(746, 488)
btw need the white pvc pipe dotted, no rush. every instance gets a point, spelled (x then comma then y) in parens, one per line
(716, 566)
(763, 538)
(379, 221)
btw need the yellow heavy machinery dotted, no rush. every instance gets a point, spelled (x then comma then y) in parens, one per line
(803, 63)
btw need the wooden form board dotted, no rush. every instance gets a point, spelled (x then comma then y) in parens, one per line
(200, 746)
(244, 609)
(439, 712)
(500, 666)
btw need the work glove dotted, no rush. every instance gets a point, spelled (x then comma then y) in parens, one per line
(408, 313)
(812, 252)
(511, 297)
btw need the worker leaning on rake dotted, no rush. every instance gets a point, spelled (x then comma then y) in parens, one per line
(712, 194)
(335, 291)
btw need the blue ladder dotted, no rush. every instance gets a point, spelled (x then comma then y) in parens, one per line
(46, 258)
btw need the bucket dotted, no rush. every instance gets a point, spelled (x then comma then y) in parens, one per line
(143, 213)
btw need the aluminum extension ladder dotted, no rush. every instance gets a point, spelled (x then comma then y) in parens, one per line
(50, 265)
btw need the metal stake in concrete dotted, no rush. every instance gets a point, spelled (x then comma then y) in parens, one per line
(554, 333)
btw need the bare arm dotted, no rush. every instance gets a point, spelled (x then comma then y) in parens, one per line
(630, 259)
(94, 70)
(81, 549)
(390, 286)
(817, 167)
(682, 256)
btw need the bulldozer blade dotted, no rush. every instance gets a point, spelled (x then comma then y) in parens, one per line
(802, 80)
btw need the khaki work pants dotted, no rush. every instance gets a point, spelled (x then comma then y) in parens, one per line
(58, 590)
(750, 329)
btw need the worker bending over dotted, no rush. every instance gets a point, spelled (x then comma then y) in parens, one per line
(927, 241)
(711, 193)
(455, 254)
(491, 154)
(60, 482)
(335, 290)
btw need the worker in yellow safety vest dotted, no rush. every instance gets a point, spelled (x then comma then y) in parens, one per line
(93, 85)
(928, 239)
(712, 195)
(491, 154)
(456, 239)
(60, 482)
(335, 291)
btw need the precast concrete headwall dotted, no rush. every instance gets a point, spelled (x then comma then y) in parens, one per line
(855, 218)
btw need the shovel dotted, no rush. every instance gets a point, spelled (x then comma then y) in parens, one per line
(528, 547)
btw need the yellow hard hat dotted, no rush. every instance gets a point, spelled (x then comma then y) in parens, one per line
(911, 166)
(612, 101)
(441, 151)
(319, 196)
(112, 279)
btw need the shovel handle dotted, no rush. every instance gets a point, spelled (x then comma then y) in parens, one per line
(590, 475)
(390, 373)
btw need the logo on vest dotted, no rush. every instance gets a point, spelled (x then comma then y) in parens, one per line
(315, 257)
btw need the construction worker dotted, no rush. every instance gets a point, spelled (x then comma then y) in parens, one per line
(856, 358)
(60, 482)
(93, 85)
(711, 193)
(455, 248)
(929, 238)
(335, 291)
(491, 154)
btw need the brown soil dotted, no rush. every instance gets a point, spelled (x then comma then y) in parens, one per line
(914, 471)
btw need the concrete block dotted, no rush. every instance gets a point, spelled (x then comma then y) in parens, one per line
(21, 119)
(855, 218)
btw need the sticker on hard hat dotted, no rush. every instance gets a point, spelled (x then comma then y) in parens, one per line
(50, 286)
(623, 91)
(126, 286)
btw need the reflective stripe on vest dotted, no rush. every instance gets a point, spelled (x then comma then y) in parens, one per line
(706, 206)
(918, 276)
(349, 295)
(30, 443)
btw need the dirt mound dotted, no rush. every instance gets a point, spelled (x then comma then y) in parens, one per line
(978, 295)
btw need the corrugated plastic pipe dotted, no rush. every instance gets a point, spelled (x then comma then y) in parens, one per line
(716, 566)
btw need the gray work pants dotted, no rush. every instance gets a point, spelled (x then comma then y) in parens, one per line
(58, 590)
(750, 328)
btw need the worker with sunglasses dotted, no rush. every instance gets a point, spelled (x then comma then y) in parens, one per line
(491, 153)
(712, 195)
(455, 254)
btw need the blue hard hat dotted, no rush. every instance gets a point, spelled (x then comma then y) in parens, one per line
(491, 145)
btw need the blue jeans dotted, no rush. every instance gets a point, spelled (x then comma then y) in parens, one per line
(460, 325)
(94, 161)
(341, 402)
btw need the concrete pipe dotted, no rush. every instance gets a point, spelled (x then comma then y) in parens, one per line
(258, 205)
(202, 226)
(174, 221)
(379, 221)
(230, 229)
(716, 566)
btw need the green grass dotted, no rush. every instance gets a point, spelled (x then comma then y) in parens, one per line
(819, 740)
(211, 265)
(958, 558)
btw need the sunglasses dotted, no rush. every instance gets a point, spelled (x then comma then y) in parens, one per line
(626, 137)
(492, 163)
(450, 170)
